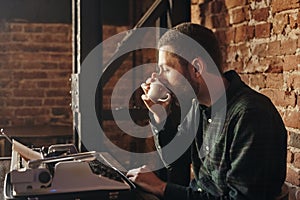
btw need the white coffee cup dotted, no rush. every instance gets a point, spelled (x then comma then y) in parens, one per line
(158, 92)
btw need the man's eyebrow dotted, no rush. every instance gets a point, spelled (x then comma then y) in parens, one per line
(162, 64)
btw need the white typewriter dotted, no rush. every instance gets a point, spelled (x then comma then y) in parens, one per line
(65, 174)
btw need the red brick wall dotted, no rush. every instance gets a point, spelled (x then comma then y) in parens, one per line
(35, 67)
(260, 41)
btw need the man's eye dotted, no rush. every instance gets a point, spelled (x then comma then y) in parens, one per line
(165, 70)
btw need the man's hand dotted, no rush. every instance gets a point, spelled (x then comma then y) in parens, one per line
(160, 110)
(147, 180)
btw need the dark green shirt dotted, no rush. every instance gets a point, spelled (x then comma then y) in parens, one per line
(239, 155)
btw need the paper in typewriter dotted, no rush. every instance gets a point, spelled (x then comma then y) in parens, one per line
(25, 152)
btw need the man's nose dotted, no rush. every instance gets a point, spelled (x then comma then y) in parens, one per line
(154, 75)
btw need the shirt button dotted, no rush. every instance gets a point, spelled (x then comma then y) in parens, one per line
(209, 120)
(207, 148)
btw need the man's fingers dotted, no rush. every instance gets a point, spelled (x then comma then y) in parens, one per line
(145, 87)
(147, 101)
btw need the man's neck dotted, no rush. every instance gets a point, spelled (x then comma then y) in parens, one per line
(210, 93)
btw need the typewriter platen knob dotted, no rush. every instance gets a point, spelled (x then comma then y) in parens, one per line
(44, 177)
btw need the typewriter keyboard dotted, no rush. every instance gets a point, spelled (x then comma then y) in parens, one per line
(104, 170)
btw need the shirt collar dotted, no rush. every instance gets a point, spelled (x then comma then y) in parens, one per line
(235, 85)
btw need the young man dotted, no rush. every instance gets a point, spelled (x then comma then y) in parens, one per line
(238, 145)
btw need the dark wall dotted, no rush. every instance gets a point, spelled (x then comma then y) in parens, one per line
(39, 11)
(116, 12)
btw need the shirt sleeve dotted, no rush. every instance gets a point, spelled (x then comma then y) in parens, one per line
(179, 171)
(177, 192)
(257, 154)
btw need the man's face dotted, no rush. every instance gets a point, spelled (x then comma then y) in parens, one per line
(172, 74)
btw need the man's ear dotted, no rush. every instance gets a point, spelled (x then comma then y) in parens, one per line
(198, 65)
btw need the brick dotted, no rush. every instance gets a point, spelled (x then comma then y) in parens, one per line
(257, 81)
(234, 3)
(216, 7)
(43, 84)
(5, 93)
(250, 32)
(291, 62)
(279, 97)
(17, 121)
(208, 22)
(231, 53)
(280, 22)
(41, 120)
(28, 93)
(5, 37)
(49, 102)
(230, 35)
(5, 74)
(33, 28)
(279, 5)
(4, 122)
(274, 80)
(244, 51)
(296, 161)
(30, 75)
(63, 102)
(60, 111)
(293, 82)
(275, 65)
(221, 35)
(238, 66)
(32, 102)
(60, 84)
(15, 102)
(288, 47)
(240, 34)
(27, 84)
(29, 121)
(294, 20)
(292, 176)
(273, 48)
(261, 14)
(57, 93)
(19, 37)
(195, 14)
(260, 50)
(7, 112)
(255, 65)
(30, 111)
(67, 66)
(263, 30)
(292, 119)
(290, 156)
(57, 28)
(239, 15)
(16, 27)
(221, 21)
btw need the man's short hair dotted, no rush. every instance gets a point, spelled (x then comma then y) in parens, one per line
(188, 47)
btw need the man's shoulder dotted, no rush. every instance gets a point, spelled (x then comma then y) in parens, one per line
(249, 100)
